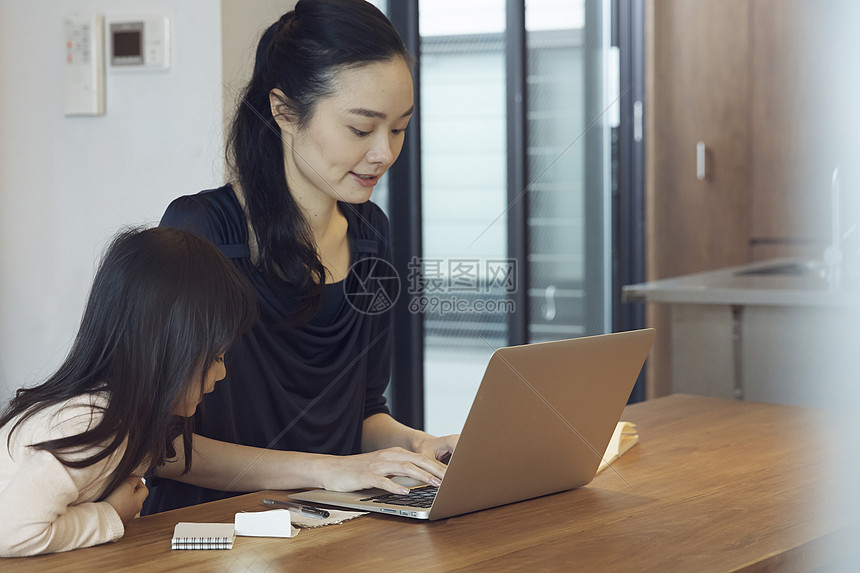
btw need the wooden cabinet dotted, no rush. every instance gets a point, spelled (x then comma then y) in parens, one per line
(749, 79)
(697, 90)
(793, 152)
(699, 93)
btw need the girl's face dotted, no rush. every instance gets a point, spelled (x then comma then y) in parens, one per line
(194, 395)
(353, 136)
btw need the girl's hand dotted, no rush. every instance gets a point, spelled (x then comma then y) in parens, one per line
(374, 469)
(127, 498)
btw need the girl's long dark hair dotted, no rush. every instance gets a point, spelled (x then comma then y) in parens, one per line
(300, 55)
(164, 305)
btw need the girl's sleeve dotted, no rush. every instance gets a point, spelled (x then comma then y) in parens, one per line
(35, 512)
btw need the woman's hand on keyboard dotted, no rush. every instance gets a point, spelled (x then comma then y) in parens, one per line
(375, 470)
(439, 448)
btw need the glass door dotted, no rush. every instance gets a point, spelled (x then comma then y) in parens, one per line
(572, 106)
(471, 279)
(465, 261)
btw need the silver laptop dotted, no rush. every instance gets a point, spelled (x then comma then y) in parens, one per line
(540, 423)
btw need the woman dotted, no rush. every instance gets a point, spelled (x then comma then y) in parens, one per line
(321, 120)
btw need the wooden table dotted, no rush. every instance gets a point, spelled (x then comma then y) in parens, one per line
(713, 485)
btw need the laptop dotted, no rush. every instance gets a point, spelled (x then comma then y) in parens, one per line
(539, 424)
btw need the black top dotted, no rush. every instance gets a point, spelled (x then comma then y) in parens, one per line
(305, 388)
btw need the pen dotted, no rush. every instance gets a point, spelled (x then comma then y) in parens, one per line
(306, 509)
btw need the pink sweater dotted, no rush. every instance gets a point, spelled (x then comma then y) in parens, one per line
(45, 506)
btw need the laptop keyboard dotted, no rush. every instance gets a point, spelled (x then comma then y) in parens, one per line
(417, 497)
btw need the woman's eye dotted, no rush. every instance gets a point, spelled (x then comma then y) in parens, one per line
(360, 133)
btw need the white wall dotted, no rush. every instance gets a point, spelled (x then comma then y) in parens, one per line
(68, 183)
(243, 22)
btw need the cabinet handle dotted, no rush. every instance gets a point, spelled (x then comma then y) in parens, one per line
(700, 161)
(637, 121)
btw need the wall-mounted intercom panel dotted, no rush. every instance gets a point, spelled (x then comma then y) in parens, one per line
(138, 43)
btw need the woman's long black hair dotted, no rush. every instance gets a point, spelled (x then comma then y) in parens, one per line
(164, 305)
(300, 55)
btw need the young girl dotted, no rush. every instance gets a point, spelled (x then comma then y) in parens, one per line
(164, 307)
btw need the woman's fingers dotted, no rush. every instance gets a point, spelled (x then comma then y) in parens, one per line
(375, 470)
(418, 466)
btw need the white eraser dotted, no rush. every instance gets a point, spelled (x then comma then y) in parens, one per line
(273, 523)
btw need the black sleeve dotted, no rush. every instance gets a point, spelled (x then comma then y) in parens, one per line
(189, 214)
(379, 369)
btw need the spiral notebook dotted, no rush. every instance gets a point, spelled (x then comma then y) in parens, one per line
(203, 536)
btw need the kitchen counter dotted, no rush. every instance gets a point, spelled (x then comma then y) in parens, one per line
(777, 282)
(763, 332)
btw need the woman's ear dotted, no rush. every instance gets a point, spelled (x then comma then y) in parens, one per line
(281, 110)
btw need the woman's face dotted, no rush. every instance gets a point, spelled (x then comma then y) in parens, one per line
(194, 395)
(353, 137)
